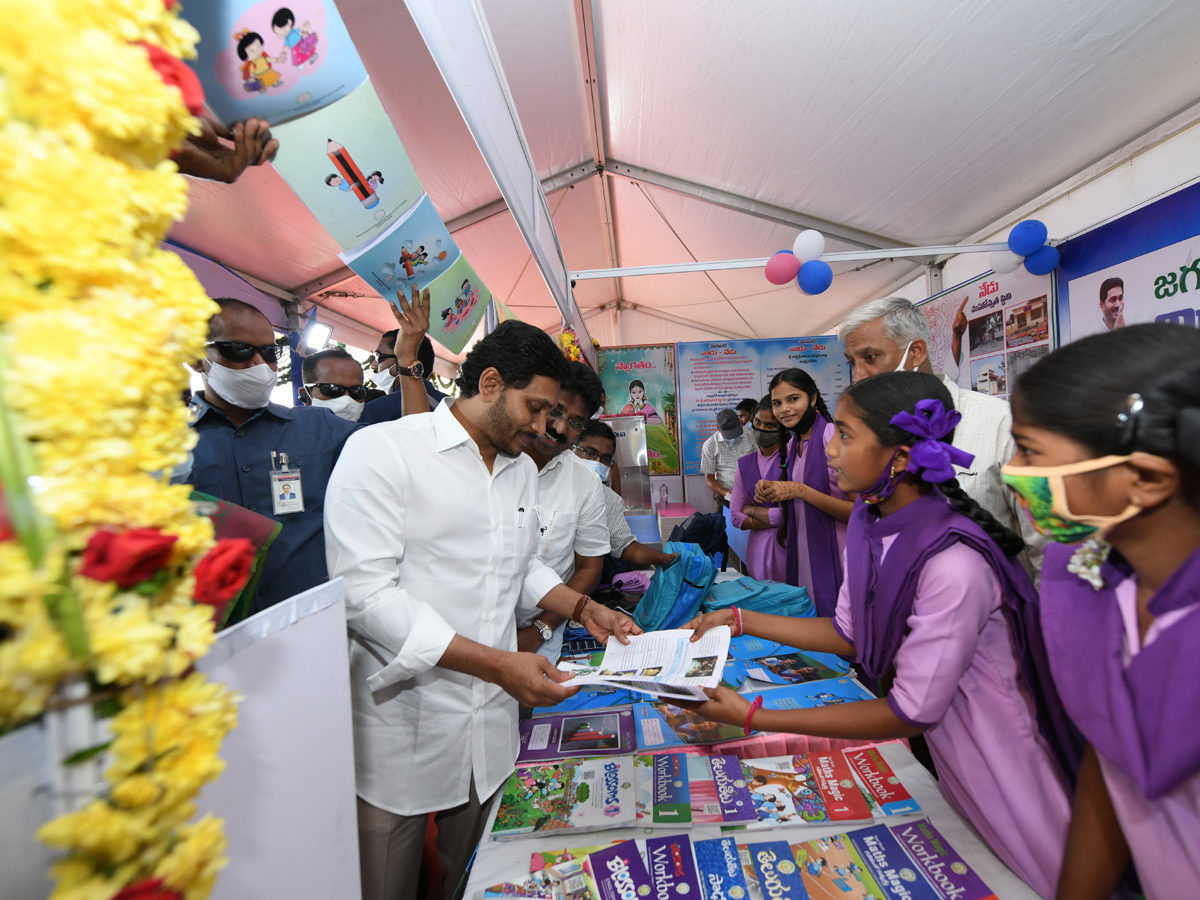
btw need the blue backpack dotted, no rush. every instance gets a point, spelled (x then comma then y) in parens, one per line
(772, 597)
(676, 591)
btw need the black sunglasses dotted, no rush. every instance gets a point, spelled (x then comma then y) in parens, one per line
(240, 351)
(380, 357)
(333, 391)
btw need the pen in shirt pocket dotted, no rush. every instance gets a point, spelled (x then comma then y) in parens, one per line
(520, 517)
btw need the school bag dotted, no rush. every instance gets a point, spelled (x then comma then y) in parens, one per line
(677, 590)
(772, 597)
(705, 529)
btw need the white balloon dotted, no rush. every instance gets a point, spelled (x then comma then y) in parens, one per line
(1005, 261)
(809, 245)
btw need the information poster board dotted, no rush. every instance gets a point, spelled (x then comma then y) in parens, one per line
(1142, 267)
(716, 375)
(1003, 325)
(640, 380)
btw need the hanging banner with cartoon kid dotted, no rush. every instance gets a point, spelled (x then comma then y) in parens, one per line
(272, 60)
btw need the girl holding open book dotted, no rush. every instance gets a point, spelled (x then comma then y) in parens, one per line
(936, 603)
(1108, 452)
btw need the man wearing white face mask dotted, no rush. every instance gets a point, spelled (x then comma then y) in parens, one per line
(333, 380)
(892, 334)
(243, 438)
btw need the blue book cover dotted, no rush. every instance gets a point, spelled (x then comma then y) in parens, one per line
(814, 694)
(890, 865)
(661, 724)
(786, 668)
(778, 875)
(591, 698)
(721, 876)
(672, 868)
(737, 803)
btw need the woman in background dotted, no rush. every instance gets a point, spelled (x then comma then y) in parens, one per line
(766, 557)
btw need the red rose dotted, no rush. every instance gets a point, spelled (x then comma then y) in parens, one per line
(224, 571)
(175, 72)
(127, 557)
(6, 530)
(149, 889)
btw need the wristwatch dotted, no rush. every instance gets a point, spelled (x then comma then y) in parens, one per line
(416, 370)
(543, 629)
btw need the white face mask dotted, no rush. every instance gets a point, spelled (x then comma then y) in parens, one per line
(244, 388)
(384, 380)
(344, 406)
(598, 467)
(904, 358)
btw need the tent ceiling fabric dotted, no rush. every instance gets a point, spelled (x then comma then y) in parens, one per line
(919, 121)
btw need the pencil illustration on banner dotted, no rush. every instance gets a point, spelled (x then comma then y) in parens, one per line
(350, 175)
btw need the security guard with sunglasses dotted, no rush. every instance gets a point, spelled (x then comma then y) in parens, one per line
(333, 380)
(250, 449)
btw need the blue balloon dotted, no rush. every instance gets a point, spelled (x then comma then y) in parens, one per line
(1043, 262)
(1026, 237)
(815, 277)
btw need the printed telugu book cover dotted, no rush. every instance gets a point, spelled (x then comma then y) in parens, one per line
(661, 724)
(574, 794)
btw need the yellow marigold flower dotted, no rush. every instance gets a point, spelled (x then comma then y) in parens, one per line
(192, 864)
(127, 643)
(100, 830)
(80, 879)
(137, 791)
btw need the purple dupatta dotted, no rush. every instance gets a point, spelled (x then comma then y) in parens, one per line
(1136, 716)
(882, 597)
(824, 556)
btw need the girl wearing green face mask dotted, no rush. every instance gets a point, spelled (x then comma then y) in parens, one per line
(1108, 453)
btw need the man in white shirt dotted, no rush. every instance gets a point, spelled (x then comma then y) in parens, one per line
(719, 454)
(571, 516)
(431, 522)
(889, 334)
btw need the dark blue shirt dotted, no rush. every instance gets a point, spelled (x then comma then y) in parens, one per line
(391, 407)
(234, 463)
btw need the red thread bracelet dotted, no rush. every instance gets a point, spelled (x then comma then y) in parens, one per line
(737, 621)
(754, 707)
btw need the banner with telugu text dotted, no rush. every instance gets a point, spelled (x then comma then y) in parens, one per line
(716, 375)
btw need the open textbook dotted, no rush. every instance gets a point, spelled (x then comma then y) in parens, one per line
(660, 663)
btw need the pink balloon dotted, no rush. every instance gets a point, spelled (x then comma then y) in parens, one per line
(782, 267)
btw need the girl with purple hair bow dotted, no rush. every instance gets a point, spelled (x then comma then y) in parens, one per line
(935, 605)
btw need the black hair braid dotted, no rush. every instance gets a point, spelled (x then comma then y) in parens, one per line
(819, 402)
(782, 532)
(1008, 541)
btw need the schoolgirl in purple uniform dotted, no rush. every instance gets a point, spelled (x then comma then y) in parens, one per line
(814, 509)
(1108, 452)
(936, 599)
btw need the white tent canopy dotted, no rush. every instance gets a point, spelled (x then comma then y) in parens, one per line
(675, 131)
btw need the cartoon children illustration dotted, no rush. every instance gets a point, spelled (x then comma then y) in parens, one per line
(463, 304)
(338, 182)
(638, 405)
(257, 73)
(301, 41)
(375, 179)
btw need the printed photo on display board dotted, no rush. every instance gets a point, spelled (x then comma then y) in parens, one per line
(716, 375)
(1142, 267)
(347, 165)
(987, 330)
(640, 381)
(416, 249)
(272, 60)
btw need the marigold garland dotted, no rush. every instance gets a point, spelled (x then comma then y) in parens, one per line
(95, 320)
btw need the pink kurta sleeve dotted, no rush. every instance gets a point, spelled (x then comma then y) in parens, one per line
(956, 593)
(843, 622)
(738, 500)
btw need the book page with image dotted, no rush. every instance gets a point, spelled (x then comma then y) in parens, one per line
(661, 663)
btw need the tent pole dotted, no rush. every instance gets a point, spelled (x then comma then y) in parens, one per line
(460, 42)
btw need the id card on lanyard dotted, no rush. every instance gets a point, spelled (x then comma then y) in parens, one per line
(287, 493)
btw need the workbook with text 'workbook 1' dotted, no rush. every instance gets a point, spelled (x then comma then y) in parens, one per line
(660, 663)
